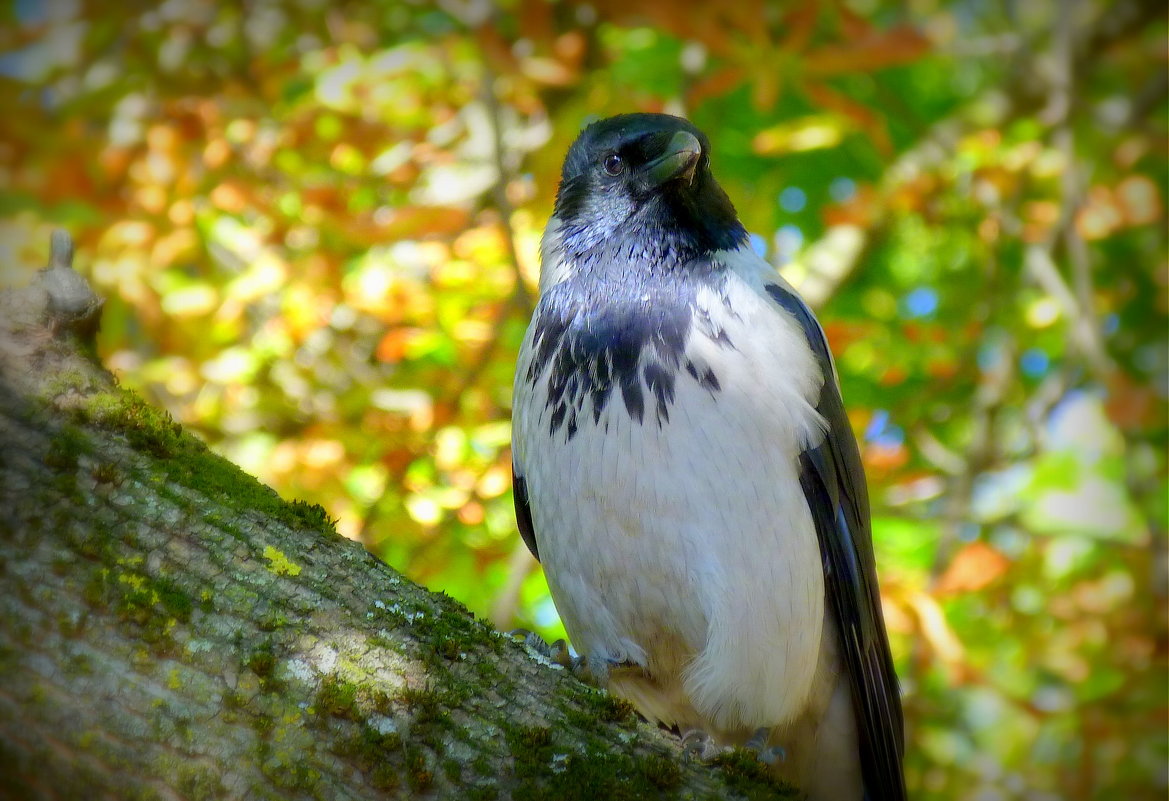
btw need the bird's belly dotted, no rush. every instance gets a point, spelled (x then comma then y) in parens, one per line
(686, 547)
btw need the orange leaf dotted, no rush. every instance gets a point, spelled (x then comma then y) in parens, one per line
(881, 458)
(852, 25)
(416, 221)
(392, 347)
(939, 635)
(719, 83)
(842, 333)
(973, 567)
(898, 45)
(1139, 200)
(798, 23)
(1131, 405)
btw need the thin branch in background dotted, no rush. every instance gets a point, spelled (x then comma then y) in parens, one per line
(520, 300)
(519, 565)
(521, 297)
(1078, 299)
(938, 453)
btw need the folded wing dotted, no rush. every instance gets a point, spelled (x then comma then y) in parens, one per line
(833, 481)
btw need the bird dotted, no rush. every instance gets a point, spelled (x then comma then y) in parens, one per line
(684, 470)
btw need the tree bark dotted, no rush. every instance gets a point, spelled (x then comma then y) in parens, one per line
(172, 629)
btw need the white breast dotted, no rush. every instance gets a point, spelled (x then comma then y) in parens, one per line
(687, 545)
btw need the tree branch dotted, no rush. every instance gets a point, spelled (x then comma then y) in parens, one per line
(177, 630)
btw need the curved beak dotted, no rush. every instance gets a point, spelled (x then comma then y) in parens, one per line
(679, 159)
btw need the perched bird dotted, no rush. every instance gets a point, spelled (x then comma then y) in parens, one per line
(684, 470)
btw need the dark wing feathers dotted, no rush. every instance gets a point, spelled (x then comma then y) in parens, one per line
(523, 512)
(832, 478)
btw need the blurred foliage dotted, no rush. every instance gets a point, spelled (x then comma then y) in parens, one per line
(317, 225)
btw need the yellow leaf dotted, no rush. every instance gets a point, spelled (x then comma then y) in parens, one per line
(813, 132)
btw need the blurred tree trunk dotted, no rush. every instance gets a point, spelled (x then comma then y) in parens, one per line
(172, 629)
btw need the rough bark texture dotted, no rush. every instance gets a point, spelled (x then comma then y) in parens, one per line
(173, 629)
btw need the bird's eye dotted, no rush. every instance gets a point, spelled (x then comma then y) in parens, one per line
(613, 164)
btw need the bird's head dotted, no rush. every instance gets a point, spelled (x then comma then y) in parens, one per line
(639, 187)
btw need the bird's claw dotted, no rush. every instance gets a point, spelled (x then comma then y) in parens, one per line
(557, 653)
(699, 745)
(757, 744)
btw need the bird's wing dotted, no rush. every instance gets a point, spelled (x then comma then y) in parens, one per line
(522, 390)
(833, 481)
(523, 512)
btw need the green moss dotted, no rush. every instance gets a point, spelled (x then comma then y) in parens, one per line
(381, 642)
(143, 661)
(272, 622)
(486, 792)
(289, 771)
(380, 701)
(105, 473)
(262, 661)
(427, 705)
(611, 709)
(263, 724)
(68, 445)
(94, 591)
(532, 748)
(576, 777)
(546, 768)
(189, 463)
(384, 777)
(197, 782)
(452, 770)
(65, 381)
(154, 605)
(594, 710)
(482, 766)
(452, 631)
(174, 599)
(142, 792)
(745, 774)
(79, 665)
(662, 772)
(312, 515)
(71, 624)
(487, 672)
(233, 701)
(375, 754)
(447, 648)
(338, 698)
(94, 543)
(419, 772)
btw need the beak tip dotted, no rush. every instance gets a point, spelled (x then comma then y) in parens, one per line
(680, 159)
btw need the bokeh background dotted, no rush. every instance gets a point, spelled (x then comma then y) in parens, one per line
(316, 225)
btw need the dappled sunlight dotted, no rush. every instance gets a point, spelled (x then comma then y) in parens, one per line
(318, 234)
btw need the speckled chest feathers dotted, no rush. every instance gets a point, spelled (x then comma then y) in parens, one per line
(623, 342)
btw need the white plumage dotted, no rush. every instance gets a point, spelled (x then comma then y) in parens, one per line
(656, 539)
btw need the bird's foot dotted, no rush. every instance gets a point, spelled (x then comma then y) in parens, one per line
(699, 745)
(757, 744)
(558, 654)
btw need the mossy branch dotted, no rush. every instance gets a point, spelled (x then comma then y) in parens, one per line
(174, 629)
